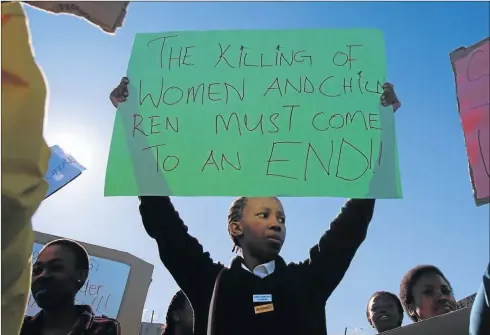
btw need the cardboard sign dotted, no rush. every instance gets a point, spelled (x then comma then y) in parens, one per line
(107, 15)
(62, 169)
(454, 323)
(471, 68)
(124, 277)
(466, 302)
(255, 113)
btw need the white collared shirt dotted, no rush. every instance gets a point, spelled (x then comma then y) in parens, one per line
(262, 270)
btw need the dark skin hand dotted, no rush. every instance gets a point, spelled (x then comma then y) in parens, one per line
(120, 94)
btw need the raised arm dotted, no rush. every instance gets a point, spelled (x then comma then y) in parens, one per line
(183, 256)
(331, 257)
(25, 157)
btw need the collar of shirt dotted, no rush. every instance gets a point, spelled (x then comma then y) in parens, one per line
(87, 323)
(262, 270)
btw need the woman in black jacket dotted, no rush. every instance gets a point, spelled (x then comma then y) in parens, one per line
(259, 293)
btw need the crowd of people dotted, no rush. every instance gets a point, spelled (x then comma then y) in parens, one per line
(259, 293)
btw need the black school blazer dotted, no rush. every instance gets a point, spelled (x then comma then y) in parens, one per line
(197, 274)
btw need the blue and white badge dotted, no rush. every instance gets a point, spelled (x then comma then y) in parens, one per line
(262, 297)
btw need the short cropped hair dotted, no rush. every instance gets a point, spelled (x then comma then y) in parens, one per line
(235, 214)
(81, 255)
(409, 280)
(176, 304)
(391, 295)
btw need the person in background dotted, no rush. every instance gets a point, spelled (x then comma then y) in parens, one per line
(25, 157)
(259, 293)
(60, 271)
(480, 311)
(425, 293)
(25, 154)
(384, 311)
(180, 316)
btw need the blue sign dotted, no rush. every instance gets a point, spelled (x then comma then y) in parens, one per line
(103, 290)
(62, 169)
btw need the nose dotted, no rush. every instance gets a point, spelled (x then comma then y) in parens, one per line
(441, 297)
(276, 227)
(43, 275)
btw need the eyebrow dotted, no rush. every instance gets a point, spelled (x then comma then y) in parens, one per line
(50, 261)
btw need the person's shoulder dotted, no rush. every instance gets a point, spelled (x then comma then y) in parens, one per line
(28, 319)
(104, 325)
(29, 325)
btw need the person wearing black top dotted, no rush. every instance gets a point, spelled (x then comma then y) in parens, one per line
(180, 316)
(259, 293)
(289, 299)
(384, 311)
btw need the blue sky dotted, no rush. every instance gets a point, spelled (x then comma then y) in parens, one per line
(436, 223)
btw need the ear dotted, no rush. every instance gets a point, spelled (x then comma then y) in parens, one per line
(411, 311)
(176, 317)
(236, 229)
(81, 277)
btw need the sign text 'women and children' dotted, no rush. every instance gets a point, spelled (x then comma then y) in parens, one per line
(103, 290)
(255, 113)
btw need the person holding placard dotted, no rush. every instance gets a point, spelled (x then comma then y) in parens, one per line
(60, 271)
(180, 316)
(384, 311)
(259, 293)
(425, 293)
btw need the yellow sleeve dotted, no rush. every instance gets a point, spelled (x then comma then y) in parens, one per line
(25, 158)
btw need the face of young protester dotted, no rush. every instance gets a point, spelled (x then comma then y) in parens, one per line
(263, 227)
(432, 296)
(55, 278)
(383, 313)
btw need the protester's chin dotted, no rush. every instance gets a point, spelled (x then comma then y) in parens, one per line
(44, 303)
(274, 245)
(44, 300)
(444, 309)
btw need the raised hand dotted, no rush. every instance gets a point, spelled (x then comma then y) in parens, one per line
(389, 97)
(120, 93)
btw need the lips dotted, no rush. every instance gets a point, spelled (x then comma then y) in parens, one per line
(445, 305)
(381, 317)
(276, 239)
(41, 291)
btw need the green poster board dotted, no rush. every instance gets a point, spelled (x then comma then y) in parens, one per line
(255, 113)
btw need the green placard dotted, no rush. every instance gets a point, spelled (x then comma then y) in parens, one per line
(255, 113)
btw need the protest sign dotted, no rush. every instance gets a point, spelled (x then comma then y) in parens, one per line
(466, 302)
(107, 15)
(103, 290)
(117, 285)
(62, 169)
(454, 323)
(471, 68)
(255, 113)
